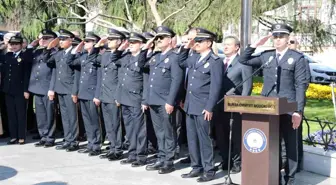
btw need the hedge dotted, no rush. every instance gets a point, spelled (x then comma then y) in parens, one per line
(315, 91)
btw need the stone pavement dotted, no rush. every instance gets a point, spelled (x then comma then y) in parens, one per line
(28, 165)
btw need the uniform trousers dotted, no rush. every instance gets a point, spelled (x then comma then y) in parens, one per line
(69, 119)
(17, 115)
(136, 132)
(111, 114)
(200, 143)
(290, 137)
(165, 131)
(45, 115)
(91, 124)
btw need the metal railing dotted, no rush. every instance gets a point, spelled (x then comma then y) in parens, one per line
(325, 136)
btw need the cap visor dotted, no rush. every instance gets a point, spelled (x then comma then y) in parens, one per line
(134, 40)
(280, 32)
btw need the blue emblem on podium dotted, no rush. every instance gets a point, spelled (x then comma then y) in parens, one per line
(255, 140)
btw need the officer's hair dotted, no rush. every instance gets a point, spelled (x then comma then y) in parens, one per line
(237, 42)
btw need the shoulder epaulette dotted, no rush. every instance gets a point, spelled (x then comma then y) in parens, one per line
(214, 56)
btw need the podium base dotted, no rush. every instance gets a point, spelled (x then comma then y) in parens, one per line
(228, 181)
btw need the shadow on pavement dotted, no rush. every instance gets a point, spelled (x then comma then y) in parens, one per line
(51, 183)
(7, 172)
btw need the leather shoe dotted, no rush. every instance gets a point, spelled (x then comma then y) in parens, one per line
(84, 151)
(94, 153)
(22, 142)
(115, 157)
(185, 161)
(206, 177)
(49, 144)
(192, 174)
(107, 155)
(166, 169)
(138, 163)
(12, 142)
(39, 144)
(155, 166)
(235, 169)
(63, 147)
(72, 148)
(127, 161)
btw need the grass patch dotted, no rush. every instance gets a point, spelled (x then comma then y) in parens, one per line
(322, 109)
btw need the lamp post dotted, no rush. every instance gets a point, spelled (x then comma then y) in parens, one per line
(245, 24)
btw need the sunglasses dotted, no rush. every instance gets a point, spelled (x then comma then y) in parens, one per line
(292, 42)
(63, 38)
(161, 37)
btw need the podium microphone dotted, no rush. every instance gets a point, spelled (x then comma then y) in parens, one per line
(232, 90)
(228, 180)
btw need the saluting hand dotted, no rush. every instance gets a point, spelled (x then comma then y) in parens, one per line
(207, 115)
(190, 44)
(101, 42)
(261, 41)
(26, 95)
(53, 43)
(35, 43)
(79, 48)
(96, 102)
(169, 108)
(296, 120)
(149, 43)
(123, 46)
(51, 95)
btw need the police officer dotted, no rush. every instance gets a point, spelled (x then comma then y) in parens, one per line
(89, 91)
(152, 140)
(15, 72)
(41, 85)
(205, 78)
(284, 76)
(111, 110)
(166, 77)
(66, 88)
(130, 95)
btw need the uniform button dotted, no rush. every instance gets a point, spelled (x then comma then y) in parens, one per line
(62, 59)
(37, 72)
(81, 81)
(275, 90)
(36, 79)
(82, 76)
(105, 68)
(40, 60)
(104, 73)
(155, 67)
(276, 75)
(133, 91)
(60, 65)
(84, 72)
(151, 85)
(192, 77)
(194, 70)
(189, 92)
(152, 79)
(276, 68)
(190, 84)
(60, 72)
(125, 73)
(103, 78)
(127, 69)
(124, 79)
(59, 79)
(39, 66)
(153, 73)
(122, 84)
(103, 85)
(10, 65)
(9, 79)
(9, 74)
(275, 83)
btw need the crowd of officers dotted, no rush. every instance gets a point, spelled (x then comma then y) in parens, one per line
(126, 79)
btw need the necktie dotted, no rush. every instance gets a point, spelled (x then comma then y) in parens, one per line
(227, 60)
(278, 58)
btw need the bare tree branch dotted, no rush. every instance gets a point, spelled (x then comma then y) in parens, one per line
(144, 22)
(176, 12)
(152, 4)
(128, 11)
(200, 13)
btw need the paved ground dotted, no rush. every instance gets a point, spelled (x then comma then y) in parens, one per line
(27, 165)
